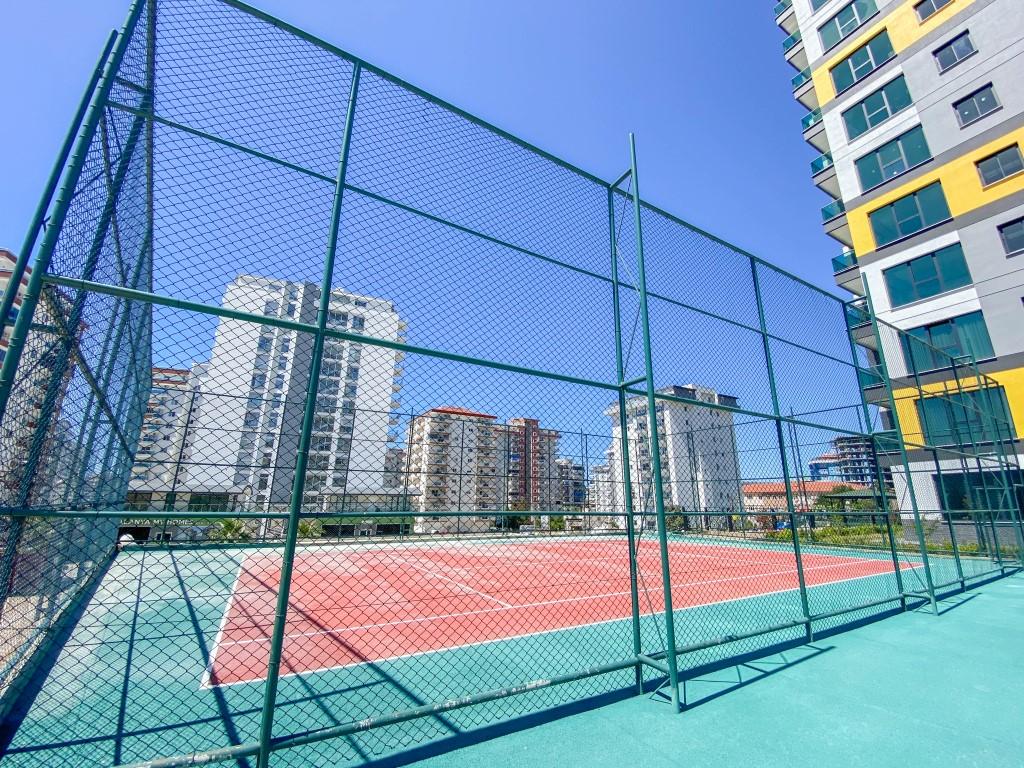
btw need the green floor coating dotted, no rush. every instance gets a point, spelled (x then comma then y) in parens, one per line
(127, 684)
(914, 690)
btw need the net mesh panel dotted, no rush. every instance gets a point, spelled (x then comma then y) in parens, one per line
(465, 512)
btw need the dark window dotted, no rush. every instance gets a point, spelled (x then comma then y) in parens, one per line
(928, 7)
(1012, 234)
(926, 276)
(876, 108)
(955, 51)
(862, 62)
(911, 213)
(934, 346)
(981, 416)
(846, 22)
(893, 158)
(999, 166)
(977, 105)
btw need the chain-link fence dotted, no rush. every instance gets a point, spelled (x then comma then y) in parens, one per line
(338, 423)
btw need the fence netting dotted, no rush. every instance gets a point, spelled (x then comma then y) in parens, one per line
(338, 423)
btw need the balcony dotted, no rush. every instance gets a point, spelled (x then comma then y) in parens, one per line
(847, 273)
(833, 216)
(832, 211)
(814, 130)
(857, 315)
(796, 54)
(803, 89)
(785, 16)
(823, 171)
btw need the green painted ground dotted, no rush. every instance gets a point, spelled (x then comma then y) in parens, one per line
(911, 691)
(127, 684)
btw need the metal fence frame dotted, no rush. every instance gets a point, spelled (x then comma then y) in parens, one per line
(124, 415)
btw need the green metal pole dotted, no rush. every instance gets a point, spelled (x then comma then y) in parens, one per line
(888, 527)
(805, 604)
(39, 217)
(624, 442)
(302, 453)
(976, 453)
(652, 418)
(903, 449)
(912, 365)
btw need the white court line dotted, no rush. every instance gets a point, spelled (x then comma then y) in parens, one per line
(458, 584)
(544, 603)
(205, 680)
(549, 631)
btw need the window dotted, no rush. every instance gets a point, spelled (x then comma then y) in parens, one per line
(976, 106)
(980, 416)
(927, 276)
(940, 342)
(862, 62)
(844, 23)
(929, 7)
(1001, 165)
(1012, 234)
(358, 323)
(893, 158)
(955, 51)
(816, 4)
(912, 213)
(891, 98)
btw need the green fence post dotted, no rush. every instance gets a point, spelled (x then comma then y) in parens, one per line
(889, 522)
(943, 493)
(627, 486)
(302, 452)
(652, 419)
(805, 604)
(912, 494)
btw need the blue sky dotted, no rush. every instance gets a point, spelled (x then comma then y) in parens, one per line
(703, 85)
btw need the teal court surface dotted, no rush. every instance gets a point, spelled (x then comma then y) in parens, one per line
(862, 698)
(169, 653)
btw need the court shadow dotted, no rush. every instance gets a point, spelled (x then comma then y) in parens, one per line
(701, 689)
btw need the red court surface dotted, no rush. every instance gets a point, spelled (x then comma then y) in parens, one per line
(357, 604)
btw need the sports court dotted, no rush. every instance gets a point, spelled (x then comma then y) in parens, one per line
(376, 627)
(429, 598)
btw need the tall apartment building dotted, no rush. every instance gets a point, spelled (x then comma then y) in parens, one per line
(455, 465)
(850, 460)
(917, 111)
(530, 455)
(253, 392)
(465, 461)
(699, 462)
(570, 486)
(163, 456)
(24, 408)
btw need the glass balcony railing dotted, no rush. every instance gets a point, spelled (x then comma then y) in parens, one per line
(846, 260)
(790, 41)
(821, 163)
(869, 377)
(857, 314)
(833, 210)
(811, 119)
(781, 8)
(803, 77)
